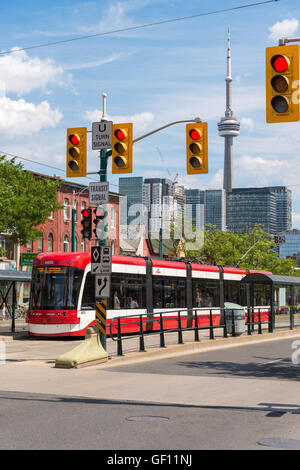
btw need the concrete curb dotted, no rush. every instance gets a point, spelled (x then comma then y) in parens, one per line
(196, 347)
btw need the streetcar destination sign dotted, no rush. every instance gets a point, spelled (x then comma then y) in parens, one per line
(102, 135)
(98, 193)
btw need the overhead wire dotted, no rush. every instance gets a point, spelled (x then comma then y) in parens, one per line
(133, 28)
(130, 28)
(43, 164)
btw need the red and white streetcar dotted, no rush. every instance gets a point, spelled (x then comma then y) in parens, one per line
(62, 299)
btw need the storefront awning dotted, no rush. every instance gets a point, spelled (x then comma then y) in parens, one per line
(17, 276)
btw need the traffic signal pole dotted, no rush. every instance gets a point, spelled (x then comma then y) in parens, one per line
(101, 305)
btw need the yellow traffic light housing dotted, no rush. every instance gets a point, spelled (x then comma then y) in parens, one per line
(196, 148)
(76, 151)
(122, 148)
(282, 83)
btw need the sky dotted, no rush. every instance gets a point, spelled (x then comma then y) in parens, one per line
(152, 76)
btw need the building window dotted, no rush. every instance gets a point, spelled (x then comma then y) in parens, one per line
(83, 206)
(29, 246)
(66, 243)
(40, 245)
(112, 244)
(51, 215)
(66, 209)
(50, 242)
(113, 217)
(83, 245)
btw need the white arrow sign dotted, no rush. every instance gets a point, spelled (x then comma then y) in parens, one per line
(102, 286)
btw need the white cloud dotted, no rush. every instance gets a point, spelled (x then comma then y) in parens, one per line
(20, 118)
(247, 123)
(258, 171)
(96, 63)
(21, 74)
(283, 29)
(115, 16)
(296, 220)
(141, 121)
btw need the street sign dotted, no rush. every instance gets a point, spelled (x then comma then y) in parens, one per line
(101, 260)
(28, 258)
(96, 259)
(99, 193)
(105, 260)
(102, 135)
(102, 286)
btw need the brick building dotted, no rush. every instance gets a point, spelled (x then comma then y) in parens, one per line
(57, 230)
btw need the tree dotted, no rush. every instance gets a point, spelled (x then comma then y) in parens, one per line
(249, 250)
(26, 201)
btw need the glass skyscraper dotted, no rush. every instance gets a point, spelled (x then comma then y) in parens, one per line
(132, 189)
(215, 208)
(269, 207)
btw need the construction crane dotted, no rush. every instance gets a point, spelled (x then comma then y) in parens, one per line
(174, 180)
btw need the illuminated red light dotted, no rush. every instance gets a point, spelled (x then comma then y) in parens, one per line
(195, 134)
(74, 139)
(85, 213)
(280, 63)
(120, 134)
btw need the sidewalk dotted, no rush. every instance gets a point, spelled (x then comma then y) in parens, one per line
(24, 349)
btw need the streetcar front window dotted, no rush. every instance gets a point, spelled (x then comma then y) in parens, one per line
(55, 288)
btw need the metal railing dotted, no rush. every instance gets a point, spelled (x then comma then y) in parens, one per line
(141, 324)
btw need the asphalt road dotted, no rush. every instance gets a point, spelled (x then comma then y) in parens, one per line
(236, 398)
(264, 360)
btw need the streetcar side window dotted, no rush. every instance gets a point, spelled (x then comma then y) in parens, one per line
(206, 293)
(169, 292)
(235, 292)
(128, 291)
(88, 296)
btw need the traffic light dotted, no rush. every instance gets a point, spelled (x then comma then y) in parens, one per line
(76, 152)
(86, 223)
(122, 148)
(196, 148)
(282, 83)
(99, 215)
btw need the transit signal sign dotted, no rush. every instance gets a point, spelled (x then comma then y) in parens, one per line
(282, 83)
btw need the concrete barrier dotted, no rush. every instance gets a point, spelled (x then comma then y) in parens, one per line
(89, 352)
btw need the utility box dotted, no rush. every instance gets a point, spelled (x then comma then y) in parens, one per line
(235, 318)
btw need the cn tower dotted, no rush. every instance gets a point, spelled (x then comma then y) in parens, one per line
(229, 127)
